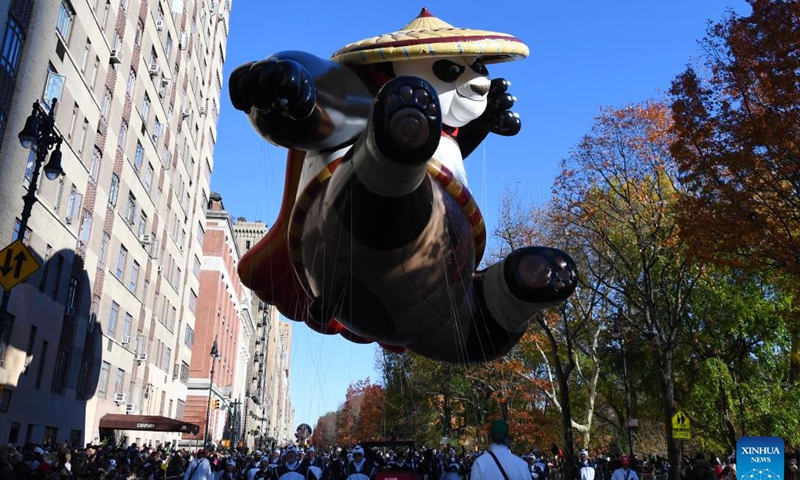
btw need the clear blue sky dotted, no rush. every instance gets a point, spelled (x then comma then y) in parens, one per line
(584, 55)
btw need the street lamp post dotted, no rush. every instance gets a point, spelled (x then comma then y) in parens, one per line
(214, 357)
(617, 331)
(39, 131)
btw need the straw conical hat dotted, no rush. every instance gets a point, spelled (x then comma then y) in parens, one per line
(429, 37)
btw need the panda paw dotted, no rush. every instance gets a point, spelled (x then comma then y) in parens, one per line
(274, 85)
(498, 117)
(540, 275)
(407, 120)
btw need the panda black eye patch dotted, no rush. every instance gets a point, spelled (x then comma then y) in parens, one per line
(479, 67)
(447, 71)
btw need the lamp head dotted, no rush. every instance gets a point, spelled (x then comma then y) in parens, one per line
(30, 134)
(53, 168)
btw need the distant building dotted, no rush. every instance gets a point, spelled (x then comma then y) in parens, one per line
(104, 332)
(267, 409)
(222, 316)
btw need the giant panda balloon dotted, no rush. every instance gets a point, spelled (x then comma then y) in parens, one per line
(378, 237)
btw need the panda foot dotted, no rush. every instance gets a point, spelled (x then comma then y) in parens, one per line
(540, 274)
(407, 120)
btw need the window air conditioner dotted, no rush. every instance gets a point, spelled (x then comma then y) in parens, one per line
(116, 56)
(159, 25)
(154, 69)
(126, 339)
(120, 397)
(146, 238)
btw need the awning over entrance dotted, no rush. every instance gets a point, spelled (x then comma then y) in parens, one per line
(153, 423)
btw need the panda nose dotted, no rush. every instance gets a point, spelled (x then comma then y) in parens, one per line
(482, 89)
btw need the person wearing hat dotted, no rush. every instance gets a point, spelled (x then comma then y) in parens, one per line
(453, 468)
(359, 468)
(230, 470)
(701, 469)
(199, 468)
(624, 472)
(290, 468)
(586, 468)
(314, 464)
(498, 462)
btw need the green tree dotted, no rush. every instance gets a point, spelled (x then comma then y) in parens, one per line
(617, 194)
(736, 146)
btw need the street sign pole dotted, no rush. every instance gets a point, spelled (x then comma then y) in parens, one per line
(46, 139)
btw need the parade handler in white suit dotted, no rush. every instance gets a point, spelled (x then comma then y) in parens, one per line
(498, 462)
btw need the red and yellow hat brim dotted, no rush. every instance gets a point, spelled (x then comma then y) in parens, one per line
(430, 37)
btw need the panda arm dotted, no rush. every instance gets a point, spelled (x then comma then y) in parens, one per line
(497, 118)
(298, 100)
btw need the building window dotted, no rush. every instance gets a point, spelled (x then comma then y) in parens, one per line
(196, 267)
(60, 372)
(139, 158)
(119, 384)
(123, 135)
(131, 84)
(166, 356)
(139, 32)
(113, 191)
(103, 253)
(74, 205)
(148, 177)
(134, 277)
(102, 382)
(86, 227)
(83, 377)
(127, 324)
(64, 24)
(131, 210)
(112, 319)
(122, 258)
(94, 167)
(30, 166)
(45, 270)
(192, 300)
(12, 46)
(145, 107)
(26, 239)
(42, 361)
(157, 130)
(105, 105)
(188, 336)
(50, 435)
(85, 58)
(82, 139)
(201, 234)
(142, 224)
(53, 86)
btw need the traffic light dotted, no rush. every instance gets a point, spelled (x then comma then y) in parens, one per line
(215, 404)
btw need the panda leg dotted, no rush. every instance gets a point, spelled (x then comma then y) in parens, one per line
(526, 281)
(403, 133)
(502, 301)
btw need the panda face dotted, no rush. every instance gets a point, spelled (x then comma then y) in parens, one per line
(461, 82)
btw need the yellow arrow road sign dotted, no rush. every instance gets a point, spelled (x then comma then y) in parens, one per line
(16, 265)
